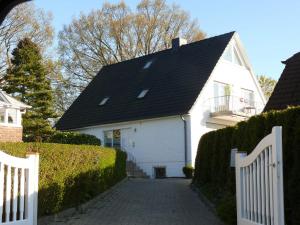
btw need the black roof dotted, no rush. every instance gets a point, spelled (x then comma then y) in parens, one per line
(175, 79)
(287, 90)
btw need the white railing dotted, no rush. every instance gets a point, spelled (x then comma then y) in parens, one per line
(18, 189)
(234, 104)
(259, 183)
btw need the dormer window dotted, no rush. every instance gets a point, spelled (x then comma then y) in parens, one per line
(148, 64)
(104, 101)
(143, 93)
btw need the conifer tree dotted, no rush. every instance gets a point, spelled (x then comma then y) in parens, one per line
(26, 80)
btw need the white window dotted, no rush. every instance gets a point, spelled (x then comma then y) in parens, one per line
(231, 54)
(104, 101)
(143, 93)
(112, 138)
(248, 97)
(222, 96)
(148, 64)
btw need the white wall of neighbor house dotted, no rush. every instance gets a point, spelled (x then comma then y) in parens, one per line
(153, 143)
(239, 78)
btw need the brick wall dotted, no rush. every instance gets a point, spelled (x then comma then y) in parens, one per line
(10, 134)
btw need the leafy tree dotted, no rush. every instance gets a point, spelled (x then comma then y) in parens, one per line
(26, 80)
(24, 20)
(116, 33)
(267, 85)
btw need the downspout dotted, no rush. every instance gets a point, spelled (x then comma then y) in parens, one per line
(185, 139)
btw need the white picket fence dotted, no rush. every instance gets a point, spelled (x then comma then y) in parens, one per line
(259, 183)
(18, 189)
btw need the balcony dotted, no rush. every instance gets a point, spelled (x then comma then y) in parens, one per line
(232, 108)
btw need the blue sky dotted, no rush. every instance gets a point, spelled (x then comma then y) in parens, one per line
(269, 29)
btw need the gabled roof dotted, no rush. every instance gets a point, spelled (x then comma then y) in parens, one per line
(174, 80)
(287, 90)
(7, 100)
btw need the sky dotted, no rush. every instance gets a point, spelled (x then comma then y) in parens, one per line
(269, 29)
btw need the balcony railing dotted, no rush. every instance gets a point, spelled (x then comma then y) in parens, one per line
(233, 105)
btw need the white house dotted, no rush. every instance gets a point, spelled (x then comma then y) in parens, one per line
(11, 111)
(158, 106)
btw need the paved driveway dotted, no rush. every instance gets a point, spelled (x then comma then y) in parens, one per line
(146, 202)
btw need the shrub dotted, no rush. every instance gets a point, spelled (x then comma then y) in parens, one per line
(73, 138)
(71, 174)
(214, 175)
(188, 171)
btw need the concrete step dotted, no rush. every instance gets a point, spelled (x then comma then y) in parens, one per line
(134, 170)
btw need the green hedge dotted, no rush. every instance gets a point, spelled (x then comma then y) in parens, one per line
(73, 138)
(71, 174)
(216, 179)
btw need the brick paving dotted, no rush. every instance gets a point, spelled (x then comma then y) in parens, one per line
(146, 202)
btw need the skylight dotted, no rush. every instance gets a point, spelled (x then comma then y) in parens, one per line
(148, 64)
(143, 93)
(104, 101)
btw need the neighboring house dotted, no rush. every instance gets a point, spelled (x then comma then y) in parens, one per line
(11, 111)
(287, 90)
(158, 106)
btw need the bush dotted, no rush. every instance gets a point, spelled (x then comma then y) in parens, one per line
(74, 138)
(188, 171)
(214, 175)
(71, 174)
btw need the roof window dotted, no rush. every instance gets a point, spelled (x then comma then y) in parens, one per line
(143, 93)
(148, 64)
(104, 101)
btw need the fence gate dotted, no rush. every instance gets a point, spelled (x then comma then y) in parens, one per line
(18, 189)
(259, 183)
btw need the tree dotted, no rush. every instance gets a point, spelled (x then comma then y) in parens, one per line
(26, 80)
(267, 85)
(115, 33)
(25, 20)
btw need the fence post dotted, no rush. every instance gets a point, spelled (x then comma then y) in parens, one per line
(238, 175)
(34, 158)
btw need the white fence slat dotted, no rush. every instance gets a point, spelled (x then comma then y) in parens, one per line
(258, 190)
(15, 194)
(244, 193)
(22, 193)
(254, 192)
(8, 193)
(26, 197)
(267, 187)
(248, 192)
(263, 188)
(251, 191)
(1, 189)
(259, 183)
(271, 186)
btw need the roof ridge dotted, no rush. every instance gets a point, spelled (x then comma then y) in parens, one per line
(231, 33)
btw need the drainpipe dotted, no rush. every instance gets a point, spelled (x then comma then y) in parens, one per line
(185, 139)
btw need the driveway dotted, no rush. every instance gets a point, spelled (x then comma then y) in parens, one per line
(146, 202)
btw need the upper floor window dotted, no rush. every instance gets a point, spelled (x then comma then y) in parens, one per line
(231, 54)
(248, 97)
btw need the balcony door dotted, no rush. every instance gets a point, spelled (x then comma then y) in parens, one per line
(221, 96)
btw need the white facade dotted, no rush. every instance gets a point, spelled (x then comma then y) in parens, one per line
(164, 142)
(11, 111)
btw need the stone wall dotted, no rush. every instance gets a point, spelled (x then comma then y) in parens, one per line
(11, 134)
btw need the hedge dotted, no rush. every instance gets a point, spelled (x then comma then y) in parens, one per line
(73, 138)
(71, 174)
(216, 179)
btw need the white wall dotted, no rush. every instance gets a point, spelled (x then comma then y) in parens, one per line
(226, 72)
(156, 142)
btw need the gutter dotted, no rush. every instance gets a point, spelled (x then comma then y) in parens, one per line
(185, 139)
